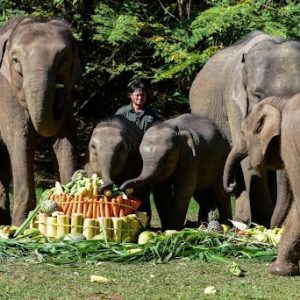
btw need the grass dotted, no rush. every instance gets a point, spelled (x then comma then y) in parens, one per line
(178, 279)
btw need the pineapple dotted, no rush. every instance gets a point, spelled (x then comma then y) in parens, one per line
(213, 221)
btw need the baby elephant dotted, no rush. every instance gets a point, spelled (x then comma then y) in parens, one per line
(184, 157)
(113, 154)
(271, 141)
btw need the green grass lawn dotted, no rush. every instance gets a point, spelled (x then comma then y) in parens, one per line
(177, 279)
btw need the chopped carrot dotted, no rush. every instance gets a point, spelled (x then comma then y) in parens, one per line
(70, 208)
(114, 205)
(66, 204)
(121, 213)
(102, 207)
(90, 209)
(135, 203)
(75, 205)
(80, 204)
(94, 214)
(127, 207)
(119, 202)
(97, 207)
(85, 206)
(107, 207)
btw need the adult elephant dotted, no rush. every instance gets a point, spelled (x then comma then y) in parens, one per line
(271, 141)
(184, 157)
(39, 65)
(226, 89)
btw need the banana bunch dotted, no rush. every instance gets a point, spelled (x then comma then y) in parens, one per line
(263, 235)
(81, 184)
(7, 231)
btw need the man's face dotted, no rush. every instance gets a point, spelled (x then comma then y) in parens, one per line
(138, 97)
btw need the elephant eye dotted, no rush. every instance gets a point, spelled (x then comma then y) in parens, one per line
(17, 65)
(258, 95)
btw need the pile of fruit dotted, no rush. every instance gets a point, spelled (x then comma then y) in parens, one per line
(77, 209)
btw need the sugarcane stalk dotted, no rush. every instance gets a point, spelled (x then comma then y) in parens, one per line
(63, 225)
(76, 223)
(51, 229)
(30, 217)
(117, 224)
(89, 228)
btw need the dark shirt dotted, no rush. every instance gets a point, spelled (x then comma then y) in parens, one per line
(143, 119)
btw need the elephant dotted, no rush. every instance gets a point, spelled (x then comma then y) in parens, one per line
(184, 157)
(39, 66)
(113, 154)
(225, 90)
(271, 141)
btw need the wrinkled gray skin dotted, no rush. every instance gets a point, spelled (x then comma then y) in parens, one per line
(38, 67)
(271, 141)
(114, 155)
(184, 157)
(226, 89)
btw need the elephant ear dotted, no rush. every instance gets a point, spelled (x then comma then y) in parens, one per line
(77, 58)
(5, 34)
(239, 93)
(268, 126)
(188, 138)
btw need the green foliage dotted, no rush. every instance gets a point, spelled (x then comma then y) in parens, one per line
(163, 42)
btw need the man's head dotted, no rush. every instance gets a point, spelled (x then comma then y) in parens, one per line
(138, 94)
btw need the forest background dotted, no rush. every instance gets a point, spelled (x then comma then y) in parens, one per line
(163, 42)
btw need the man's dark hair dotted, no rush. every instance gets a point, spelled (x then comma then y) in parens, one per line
(138, 85)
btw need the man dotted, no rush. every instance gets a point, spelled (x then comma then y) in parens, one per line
(139, 111)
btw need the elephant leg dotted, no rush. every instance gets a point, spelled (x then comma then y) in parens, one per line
(287, 262)
(223, 203)
(22, 159)
(206, 203)
(144, 195)
(183, 190)
(5, 179)
(284, 199)
(162, 193)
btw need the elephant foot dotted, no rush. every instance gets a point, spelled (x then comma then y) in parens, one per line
(284, 269)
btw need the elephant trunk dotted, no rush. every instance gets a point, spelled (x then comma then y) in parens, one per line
(237, 154)
(40, 92)
(147, 175)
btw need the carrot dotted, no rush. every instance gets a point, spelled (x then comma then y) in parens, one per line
(85, 206)
(119, 202)
(102, 207)
(97, 207)
(121, 213)
(126, 207)
(135, 203)
(90, 209)
(94, 214)
(75, 205)
(114, 206)
(80, 204)
(107, 207)
(70, 208)
(65, 206)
